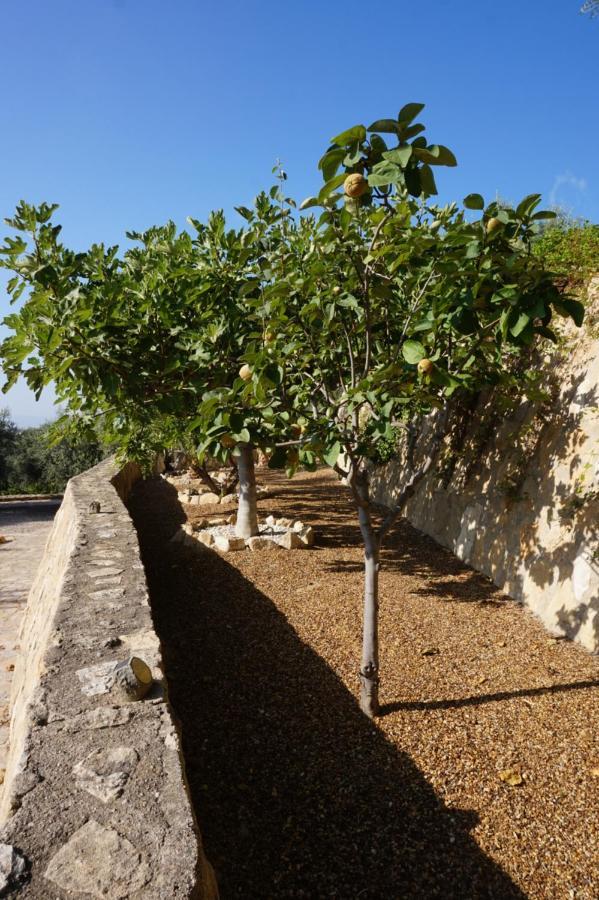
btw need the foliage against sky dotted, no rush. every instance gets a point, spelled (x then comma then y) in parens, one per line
(135, 113)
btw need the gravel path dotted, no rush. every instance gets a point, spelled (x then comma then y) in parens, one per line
(26, 526)
(297, 794)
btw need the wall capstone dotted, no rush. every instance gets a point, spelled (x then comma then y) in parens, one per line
(95, 801)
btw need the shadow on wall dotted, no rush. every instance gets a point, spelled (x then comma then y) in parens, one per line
(520, 499)
(297, 793)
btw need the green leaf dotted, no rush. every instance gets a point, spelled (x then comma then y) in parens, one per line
(474, 201)
(399, 155)
(427, 180)
(384, 173)
(386, 126)
(330, 186)
(572, 309)
(308, 202)
(522, 321)
(443, 155)
(331, 161)
(353, 155)
(412, 178)
(357, 133)
(413, 351)
(465, 321)
(544, 214)
(278, 459)
(526, 206)
(409, 112)
(331, 455)
(546, 333)
(412, 131)
(507, 316)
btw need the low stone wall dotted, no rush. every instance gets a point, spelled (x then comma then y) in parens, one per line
(95, 801)
(522, 505)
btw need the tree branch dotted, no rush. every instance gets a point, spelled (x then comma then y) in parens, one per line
(409, 488)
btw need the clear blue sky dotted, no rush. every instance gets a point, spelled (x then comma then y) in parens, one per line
(131, 112)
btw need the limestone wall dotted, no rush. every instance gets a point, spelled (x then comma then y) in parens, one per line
(94, 801)
(523, 506)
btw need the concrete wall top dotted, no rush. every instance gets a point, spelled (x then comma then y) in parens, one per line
(95, 800)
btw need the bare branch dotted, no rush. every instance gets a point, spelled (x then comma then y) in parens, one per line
(409, 488)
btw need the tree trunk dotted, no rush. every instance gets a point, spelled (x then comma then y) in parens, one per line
(369, 670)
(247, 516)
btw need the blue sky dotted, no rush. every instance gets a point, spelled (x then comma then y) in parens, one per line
(132, 112)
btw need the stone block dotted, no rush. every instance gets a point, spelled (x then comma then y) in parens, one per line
(105, 772)
(229, 500)
(100, 862)
(306, 535)
(12, 869)
(208, 499)
(206, 538)
(289, 541)
(228, 544)
(262, 544)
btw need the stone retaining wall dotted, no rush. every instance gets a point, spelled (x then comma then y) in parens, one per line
(95, 801)
(522, 506)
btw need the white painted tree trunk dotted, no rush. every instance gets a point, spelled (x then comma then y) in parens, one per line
(247, 515)
(369, 669)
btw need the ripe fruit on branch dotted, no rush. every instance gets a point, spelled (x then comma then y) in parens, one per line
(336, 290)
(297, 430)
(426, 366)
(492, 225)
(355, 185)
(269, 337)
(245, 372)
(227, 441)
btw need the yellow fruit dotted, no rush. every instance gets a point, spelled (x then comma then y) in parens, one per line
(426, 366)
(245, 372)
(492, 225)
(336, 290)
(355, 185)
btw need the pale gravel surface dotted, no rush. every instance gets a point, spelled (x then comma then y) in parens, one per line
(297, 794)
(26, 525)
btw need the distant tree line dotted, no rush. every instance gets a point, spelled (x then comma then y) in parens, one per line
(30, 463)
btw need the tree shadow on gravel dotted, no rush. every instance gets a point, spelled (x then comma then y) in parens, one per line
(480, 699)
(296, 792)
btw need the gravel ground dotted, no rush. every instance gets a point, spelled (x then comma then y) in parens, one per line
(297, 794)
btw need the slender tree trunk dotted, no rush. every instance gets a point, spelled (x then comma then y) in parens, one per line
(247, 516)
(369, 669)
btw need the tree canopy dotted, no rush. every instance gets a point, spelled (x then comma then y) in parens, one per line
(316, 337)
